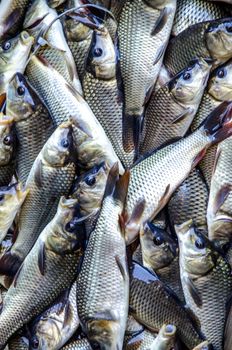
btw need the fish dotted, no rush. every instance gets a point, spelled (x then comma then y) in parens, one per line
(190, 200)
(32, 122)
(101, 86)
(11, 200)
(114, 6)
(151, 303)
(55, 326)
(209, 39)
(156, 176)
(91, 143)
(18, 342)
(165, 338)
(49, 269)
(12, 13)
(203, 346)
(172, 108)
(55, 3)
(219, 89)
(79, 344)
(51, 176)
(203, 269)
(196, 11)
(160, 254)
(56, 51)
(89, 189)
(14, 54)
(142, 340)
(144, 28)
(103, 282)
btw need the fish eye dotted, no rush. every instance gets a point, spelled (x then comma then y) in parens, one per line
(35, 342)
(199, 243)
(97, 52)
(6, 45)
(90, 180)
(186, 76)
(65, 143)
(70, 227)
(158, 240)
(20, 91)
(229, 28)
(7, 140)
(221, 73)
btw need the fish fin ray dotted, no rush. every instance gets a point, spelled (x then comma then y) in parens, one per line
(161, 21)
(42, 258)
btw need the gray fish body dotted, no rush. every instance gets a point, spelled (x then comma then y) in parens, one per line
(18, 342)
(80, 344)
(141, 341)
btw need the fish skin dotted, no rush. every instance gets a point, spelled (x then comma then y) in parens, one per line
(80, 344)
(103, 292)
(33, 124)
(140, 341)
(203, 346)
(102, 91)
(91, 143)
(172, 108)
(158, 175)
(48, 269)
(51, 176)
(55, 3)
(55, 326)
(145, 290)
(18, 342)
(209, 39)
(202, 271)
(12, 13)
(138, 64)
(189, 13)
(13, 58)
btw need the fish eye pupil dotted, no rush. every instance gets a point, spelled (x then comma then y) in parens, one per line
(199, 243)
(158, 240)
(97, 52)
(229, 28)
(186, 76)
(90, 180)
(7, 140)
(65, 143)
(20, 90)
(221, 73)
(6, 45)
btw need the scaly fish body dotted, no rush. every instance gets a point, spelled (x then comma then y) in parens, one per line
(140, 341)
(51, 176)
(55, 3)
(56, 51)
(92, 144)
(47, 271)
(13, 58)
(210, 39)
(33, 123)
(195, 11)
(55, 326)
(102, 92)
(144, 28)
(165, 338)
(18, 342)
(172, 108)
(152, 304)
(203, 269)
(80, 344)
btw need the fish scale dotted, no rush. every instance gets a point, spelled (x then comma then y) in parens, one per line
(141, 341)
(79, 51)
(6, 173)
(80, 344)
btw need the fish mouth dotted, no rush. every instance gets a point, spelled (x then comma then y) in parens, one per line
(26, 38)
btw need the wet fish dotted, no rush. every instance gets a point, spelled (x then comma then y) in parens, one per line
(51, 176)
(172, 108)
(151, 303)
(55, 326)
(18, 342)
(92, 144)
(195, 11)
(165, 338)
(49, 269)
(55, 3)
(12, 13)
(79, 344)
(158, 175)
(13, 57)
(103, 282)
(101, 86)
(141, 341)
(11, 200)
(56, 50)
(203, 269)
(160, 254)
(144, 28)
(203, 346)
(211, 39)
(33, 123)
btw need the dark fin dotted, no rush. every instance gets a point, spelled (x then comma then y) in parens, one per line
(199, 157)
(15, 233)
(161, 21)
(160, 54)
(216, 160)
(12, 19)
(38, 177)
(148, 95)
(122, 219)
(36, 23)
(138, 123)
(121, 187)
(44, 61)
(17, 276)
(42, 258)
(219, 122)
(181, 116)
(112, 179)
(193, 291)
(7, 282)
(221, 196)
(128, 133)
(9, 264)
(122, 267)
(163, 200)
(2, 102)
(133, 224)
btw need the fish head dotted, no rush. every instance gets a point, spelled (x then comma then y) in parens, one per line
(59, 148)
(22, 100)
(102, 58)
(218, 37)
(89, 188)
(220, 82)
(166, 337)
(158, 248)
(7, 139)
(189, 84)
(196, 251)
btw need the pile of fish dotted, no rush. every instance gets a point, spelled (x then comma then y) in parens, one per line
(115, 174)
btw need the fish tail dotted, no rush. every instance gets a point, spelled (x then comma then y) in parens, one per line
(218, 124)
(9, 264)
